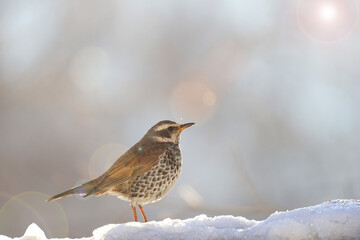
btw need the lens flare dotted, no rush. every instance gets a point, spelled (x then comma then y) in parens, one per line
(78, 183)
(327, 21)
(31, 207)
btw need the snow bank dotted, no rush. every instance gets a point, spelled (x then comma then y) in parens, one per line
(338, 219)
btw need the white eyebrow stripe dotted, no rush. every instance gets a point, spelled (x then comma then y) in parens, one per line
(163, 139)
(164, 126)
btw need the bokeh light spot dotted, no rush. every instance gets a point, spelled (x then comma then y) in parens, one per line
(209, 98)
(193, 99)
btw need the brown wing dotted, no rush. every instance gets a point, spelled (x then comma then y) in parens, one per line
(136, 161)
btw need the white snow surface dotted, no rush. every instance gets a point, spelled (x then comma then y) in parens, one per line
(337, 219)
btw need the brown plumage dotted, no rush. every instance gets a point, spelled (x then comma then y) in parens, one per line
(145, 173)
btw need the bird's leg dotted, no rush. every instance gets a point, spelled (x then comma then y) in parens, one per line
(143, 213)
(134, 213)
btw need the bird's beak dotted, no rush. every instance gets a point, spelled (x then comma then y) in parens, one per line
(186, 125)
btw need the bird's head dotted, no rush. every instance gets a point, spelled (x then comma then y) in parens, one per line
(167, 131)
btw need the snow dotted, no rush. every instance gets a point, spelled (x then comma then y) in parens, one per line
(337, 219)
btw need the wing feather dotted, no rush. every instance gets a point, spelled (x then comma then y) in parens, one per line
(136, 161)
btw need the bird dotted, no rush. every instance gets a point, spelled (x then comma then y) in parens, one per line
(143, 174)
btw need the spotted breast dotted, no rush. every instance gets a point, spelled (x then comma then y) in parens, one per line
(158, 181)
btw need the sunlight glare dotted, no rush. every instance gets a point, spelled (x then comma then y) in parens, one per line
(328, 12)
(327, 21)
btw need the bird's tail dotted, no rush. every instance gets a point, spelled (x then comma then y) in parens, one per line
(84, 189)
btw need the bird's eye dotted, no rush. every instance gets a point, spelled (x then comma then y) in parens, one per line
(171, 128)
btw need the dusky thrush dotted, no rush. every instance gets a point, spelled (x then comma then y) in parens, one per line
(145, 173)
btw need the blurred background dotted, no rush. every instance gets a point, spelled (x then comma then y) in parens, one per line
(273, 87)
